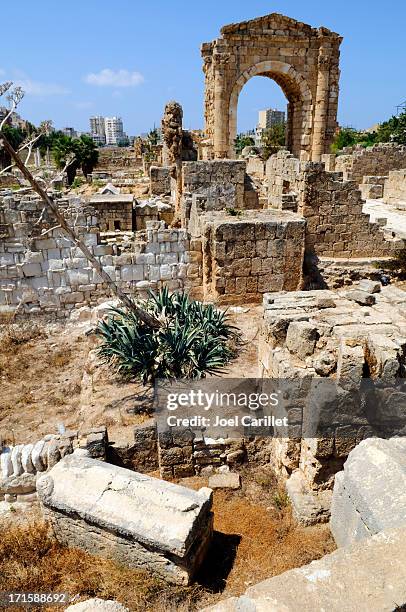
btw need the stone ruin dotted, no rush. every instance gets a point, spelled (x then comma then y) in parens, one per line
(137, 520)
(303, 60)
(244, 231)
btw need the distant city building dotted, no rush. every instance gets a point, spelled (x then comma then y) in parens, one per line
(115, 134)
(98, 130)
(266, 119)
(69, 131)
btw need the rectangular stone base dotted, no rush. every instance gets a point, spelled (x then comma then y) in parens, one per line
(139, 521)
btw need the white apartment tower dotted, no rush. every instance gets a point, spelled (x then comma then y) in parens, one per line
(266, 119)
(114, 130)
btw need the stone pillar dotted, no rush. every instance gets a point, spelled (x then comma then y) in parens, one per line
(321, 103)
(221, 119)
(172, 150)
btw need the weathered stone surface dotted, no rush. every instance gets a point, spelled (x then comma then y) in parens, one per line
(301, 338)
(369, 286)
(138, 520)
(362, 297)
(97, 605)
(370, 493)
(16, 484)
(225, 481)
(367, 577)
(309, 507)
(5, 463)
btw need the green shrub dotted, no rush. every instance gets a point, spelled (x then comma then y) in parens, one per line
(194, 339)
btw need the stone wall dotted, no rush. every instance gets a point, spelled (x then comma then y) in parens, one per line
(394, 192)
(211, 178)
(247, 255)
(115, 212)
(256, 166)
(116, 157)
(377, 160)
(342, 338)
(42, 273)
(152, 210)
(332, 207)
(160, 180)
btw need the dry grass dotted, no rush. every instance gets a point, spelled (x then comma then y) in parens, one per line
(30, 560)
(255, 538)
(14, 334)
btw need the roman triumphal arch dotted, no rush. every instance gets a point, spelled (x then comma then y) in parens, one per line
(304, 61)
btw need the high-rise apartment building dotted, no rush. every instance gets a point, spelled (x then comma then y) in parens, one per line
(97, 129)
(267, 118)
(114, 131)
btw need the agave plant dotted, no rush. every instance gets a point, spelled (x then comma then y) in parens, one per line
(193, 340)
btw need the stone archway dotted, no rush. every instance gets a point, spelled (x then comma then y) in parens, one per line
(297, 93)
(303, 60)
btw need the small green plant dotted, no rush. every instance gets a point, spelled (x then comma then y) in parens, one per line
(234, 212)
(281, 499)
(78, 182)
(192, 341)
(97, 183)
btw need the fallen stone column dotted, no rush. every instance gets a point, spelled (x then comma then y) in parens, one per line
(137, 520)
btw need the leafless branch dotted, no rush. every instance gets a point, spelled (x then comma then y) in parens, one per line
(14, 98)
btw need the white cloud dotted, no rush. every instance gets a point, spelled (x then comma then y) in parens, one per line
(114, 78)
(37, 88)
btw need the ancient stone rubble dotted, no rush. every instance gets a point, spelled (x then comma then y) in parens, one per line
(139, 521)
(370, 493)
(369, 576)
(21, 465)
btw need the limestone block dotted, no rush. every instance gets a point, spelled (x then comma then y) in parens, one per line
(301, 338)
(97, 605)
(26, 458)
(370, 493)
(16, 459)
(361, 297)
(367, 577)
(5, 462)
(16, 485)
(225, 481)
(138, 520)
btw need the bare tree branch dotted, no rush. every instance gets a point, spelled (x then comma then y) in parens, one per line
(67, 230)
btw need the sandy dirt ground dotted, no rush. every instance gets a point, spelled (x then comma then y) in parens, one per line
(54, 377)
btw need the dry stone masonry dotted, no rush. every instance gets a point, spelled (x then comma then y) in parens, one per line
(42, 273)
(302, 60)
(394, 192)
(332, 207)
(338, 336)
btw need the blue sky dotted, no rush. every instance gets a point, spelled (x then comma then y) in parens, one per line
(79, 58)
